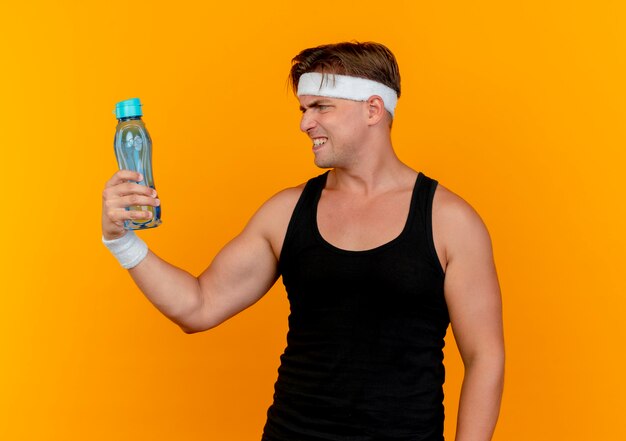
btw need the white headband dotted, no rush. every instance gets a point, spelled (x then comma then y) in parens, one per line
(346, 87)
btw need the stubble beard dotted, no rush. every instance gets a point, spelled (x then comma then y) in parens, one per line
(324, 159)
(323, 162)
(330, 158)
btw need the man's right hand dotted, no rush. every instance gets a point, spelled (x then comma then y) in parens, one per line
(118, 194)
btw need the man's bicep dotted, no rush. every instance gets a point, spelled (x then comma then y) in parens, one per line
(247, 267)
(241, 273)
(471, 288)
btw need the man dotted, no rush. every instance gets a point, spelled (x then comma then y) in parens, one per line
(377, 260)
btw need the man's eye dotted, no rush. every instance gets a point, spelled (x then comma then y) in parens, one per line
(323, 107)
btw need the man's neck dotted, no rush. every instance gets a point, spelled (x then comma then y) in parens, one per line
(375, 172)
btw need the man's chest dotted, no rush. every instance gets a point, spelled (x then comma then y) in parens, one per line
(357, 224)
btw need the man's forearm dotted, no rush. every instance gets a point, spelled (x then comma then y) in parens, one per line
(481, 394)
(174, 292)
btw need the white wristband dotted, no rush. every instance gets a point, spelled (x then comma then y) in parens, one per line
(129, 249)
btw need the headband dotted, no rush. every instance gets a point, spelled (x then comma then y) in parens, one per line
(346, 87)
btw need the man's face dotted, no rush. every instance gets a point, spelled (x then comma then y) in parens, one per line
(336, 128)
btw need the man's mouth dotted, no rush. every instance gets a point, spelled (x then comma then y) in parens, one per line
(318, 142)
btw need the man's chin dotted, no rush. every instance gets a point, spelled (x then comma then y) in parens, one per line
(323, 164)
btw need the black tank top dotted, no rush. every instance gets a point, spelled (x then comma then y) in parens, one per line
(364, 356)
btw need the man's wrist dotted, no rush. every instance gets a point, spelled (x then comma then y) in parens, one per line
(129, 250)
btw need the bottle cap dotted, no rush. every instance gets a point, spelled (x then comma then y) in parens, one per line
(128, 108)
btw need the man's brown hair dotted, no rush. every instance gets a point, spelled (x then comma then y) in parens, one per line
(365, 60)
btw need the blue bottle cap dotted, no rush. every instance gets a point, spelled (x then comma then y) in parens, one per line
(128, 108)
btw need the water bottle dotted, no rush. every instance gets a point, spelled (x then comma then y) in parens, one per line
(133, 150)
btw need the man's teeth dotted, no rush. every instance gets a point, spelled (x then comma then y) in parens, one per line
(319, 141)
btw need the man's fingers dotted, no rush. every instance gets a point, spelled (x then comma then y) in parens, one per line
(129, 201)
(120, 192)
(139, 214)
(115, 207)
(130, 188)
(127, 188)
(120, 214)
(137, 199)
(121, 176)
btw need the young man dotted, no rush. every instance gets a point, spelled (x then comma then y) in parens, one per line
(377, 260)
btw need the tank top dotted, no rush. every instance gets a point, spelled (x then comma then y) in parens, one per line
(364, 355)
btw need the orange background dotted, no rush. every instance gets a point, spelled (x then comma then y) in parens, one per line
(518, 107)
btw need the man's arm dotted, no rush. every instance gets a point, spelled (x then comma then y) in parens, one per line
(241, 273)
(473, 297)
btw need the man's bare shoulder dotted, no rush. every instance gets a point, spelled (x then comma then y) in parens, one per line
(280, 205)
(272, 218)
(451, 207)
(456, 223)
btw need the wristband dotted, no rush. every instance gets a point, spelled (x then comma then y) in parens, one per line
(129, 249)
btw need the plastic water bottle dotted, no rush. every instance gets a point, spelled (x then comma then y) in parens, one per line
(133, 150)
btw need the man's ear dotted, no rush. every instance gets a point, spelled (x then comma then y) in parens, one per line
(376, 109)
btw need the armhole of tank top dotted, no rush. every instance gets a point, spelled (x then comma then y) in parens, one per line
(429, 227)
(294, 217)
(291, 226)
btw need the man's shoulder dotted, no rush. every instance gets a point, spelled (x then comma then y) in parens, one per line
(284, 200)
(272, 218)
(274, 215)
(450, 207)
(457, 221)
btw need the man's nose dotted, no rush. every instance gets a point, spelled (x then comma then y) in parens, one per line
(307, 122)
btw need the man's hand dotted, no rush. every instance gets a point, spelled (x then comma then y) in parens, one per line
(119, 193)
